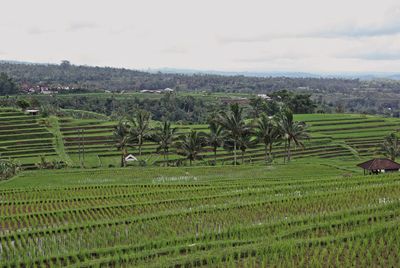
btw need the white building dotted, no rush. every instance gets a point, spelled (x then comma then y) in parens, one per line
(264, 96)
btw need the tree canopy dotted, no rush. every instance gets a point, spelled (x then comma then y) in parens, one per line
(7, 85)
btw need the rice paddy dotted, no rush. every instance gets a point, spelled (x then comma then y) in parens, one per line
(318, 210)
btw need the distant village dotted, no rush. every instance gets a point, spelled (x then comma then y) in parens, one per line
(46, 90)
(27, 89)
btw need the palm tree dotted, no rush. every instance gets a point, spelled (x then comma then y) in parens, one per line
(267, 132)
(191, 145)
(215, 137)
(234, 126)
(164, 135)
(291, 131)
(246, 141)
(123, 139)
(140, 127)
(391, 146)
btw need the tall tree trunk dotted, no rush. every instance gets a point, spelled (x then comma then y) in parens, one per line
(288, 151)
(234, 152)
(270, 151)
(190, 162)
(140, 145)
(243, 157)
(266, 153)
(215, 156)
(122, 159)
(284, 157)
(123, 162)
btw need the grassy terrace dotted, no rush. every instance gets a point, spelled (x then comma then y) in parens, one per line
(24, 139)
(306, 213)
(312, 212)
(333, 135)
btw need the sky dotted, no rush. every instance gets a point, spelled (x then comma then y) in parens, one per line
(224, 35)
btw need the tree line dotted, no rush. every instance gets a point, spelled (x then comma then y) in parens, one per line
(7, 85)
(227, 129)
(174, 107)
(116, 79)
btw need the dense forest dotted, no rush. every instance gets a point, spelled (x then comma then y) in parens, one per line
(116, 79)
(325, 95)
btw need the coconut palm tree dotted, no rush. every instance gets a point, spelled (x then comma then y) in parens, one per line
(123, 139)
(291, 131)
(246, 140)
(140, 127)
(391, 147)
(233, 125)
(215, 137)
(190, 145)
(164, 135)
(267, 132)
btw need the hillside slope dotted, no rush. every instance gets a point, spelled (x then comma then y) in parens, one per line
(89, 142)
(87, 77)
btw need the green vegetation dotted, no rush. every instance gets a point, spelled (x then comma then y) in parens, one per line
(8, 169)
(83, 78)
(391, 147)
(7, 85)
(24, 139)
(84, 87)
(307, 212)
(191, 145)
(54, 128)
(123, 138)
(248, 179)
(90, 142)
(299, 214)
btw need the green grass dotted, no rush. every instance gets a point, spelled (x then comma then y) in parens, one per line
(326, 130)
(54, 128)
(310, 212)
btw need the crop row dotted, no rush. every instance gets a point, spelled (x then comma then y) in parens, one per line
(194, 235)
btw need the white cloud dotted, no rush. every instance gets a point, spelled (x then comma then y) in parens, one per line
(37, 30)
(78, 26)
(254, 35)
(174, 50)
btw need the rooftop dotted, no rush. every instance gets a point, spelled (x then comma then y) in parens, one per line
(379, 163)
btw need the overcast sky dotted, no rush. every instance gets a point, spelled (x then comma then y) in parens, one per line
(231, 35)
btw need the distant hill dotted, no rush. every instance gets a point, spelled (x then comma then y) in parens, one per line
(344, 75)
(90, 78)
(226, 73)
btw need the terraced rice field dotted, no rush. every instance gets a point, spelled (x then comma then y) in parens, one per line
(23, 138)
(333, 136)
(294, 215)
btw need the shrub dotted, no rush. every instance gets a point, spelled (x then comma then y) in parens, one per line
(142, 163)
(44, 164)
(8, 168)
(22, 103)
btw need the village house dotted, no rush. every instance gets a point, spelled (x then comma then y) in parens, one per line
(157, 91)
(264, 97)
